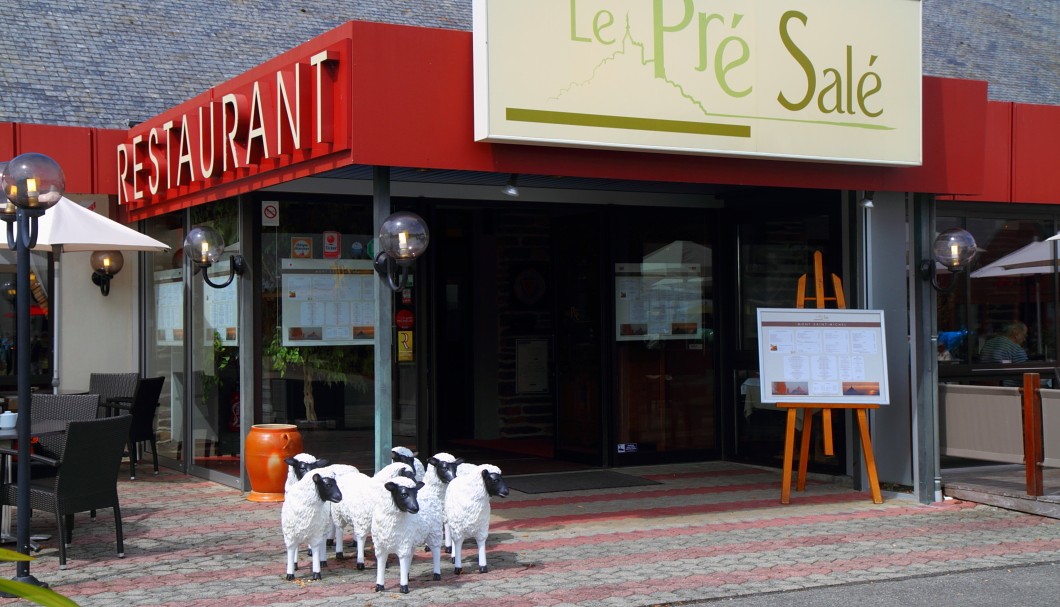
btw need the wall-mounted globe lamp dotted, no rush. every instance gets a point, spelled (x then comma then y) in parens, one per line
(954, 250)
(32, 183)
(203, 246)
(403, 237)
(105, 264)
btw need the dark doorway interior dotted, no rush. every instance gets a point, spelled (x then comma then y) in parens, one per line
(517, 334)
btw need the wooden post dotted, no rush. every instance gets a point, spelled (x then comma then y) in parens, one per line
(1033, 449)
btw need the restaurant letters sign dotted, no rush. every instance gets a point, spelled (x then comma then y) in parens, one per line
(279, 114)
(797, 79)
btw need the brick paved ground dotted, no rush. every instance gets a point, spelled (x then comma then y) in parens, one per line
(706, 530)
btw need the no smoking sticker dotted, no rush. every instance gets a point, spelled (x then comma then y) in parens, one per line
(270, 213)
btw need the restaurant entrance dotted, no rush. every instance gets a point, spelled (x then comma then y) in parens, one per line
(571, 336)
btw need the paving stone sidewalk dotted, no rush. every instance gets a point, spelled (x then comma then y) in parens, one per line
(707, 530)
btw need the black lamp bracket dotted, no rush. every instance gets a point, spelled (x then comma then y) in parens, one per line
(236, 265)
(927, 272)
(388, 268)
(102, 280)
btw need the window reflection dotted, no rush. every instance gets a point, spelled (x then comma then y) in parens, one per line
(40, 320)
(1010, 283)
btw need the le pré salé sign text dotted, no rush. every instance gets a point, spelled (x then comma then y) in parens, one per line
(799, 79)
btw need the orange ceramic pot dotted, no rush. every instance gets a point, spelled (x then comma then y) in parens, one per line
(267, 446)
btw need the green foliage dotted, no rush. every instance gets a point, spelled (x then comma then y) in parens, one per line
(223, 357)
(281, 355)
(331, 364)
(36, 594)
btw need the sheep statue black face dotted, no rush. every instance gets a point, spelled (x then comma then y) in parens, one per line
(495, 485)
(328, 489)
(402, 455)
(406, 456)
(446, 471)
(404, 497)
(302, 467)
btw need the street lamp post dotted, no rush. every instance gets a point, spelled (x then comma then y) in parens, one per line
(32, 183)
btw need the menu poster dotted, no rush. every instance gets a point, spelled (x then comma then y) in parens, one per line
(169, 307)
(656, 301)
(328, 302)
(822, 356)
(221, 307)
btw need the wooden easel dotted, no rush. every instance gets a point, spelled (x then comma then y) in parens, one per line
(826, 408)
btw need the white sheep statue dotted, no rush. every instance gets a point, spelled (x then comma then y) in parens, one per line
(355, 509)
(305, 519)
(441, 468)
(467, 509)
(335, 534)
(297, 467)
(462, 469)
(396, 528)
(404, 454)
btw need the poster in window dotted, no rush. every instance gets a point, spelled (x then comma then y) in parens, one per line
(327, 302)
(656, 301)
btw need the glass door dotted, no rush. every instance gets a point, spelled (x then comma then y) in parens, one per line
(663, 334)
(579, 325)
(210, 390)
(772, 246)
(164, 334)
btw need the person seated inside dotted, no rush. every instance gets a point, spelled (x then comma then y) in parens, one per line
(1006, 347)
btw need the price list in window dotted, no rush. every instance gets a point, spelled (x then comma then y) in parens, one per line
(328, 302)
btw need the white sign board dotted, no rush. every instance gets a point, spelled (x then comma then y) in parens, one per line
(794, 79)
(221, 307)
(169, 307)
(328, 302)
(822, 356)
(658, 301)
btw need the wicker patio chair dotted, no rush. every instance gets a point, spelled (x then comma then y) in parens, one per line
(113, 387)
(86, 477)
(63, 407)
(142, 410)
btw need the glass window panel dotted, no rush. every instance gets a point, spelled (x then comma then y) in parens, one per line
(1010, 282)
(323, 246)
(40, 320)
(213, 394)
(164, 334)
(664, 333)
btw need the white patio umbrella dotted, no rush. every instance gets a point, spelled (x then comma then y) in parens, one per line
(68, 226)
(1035, 258)
(71, 227)
(1038, 257)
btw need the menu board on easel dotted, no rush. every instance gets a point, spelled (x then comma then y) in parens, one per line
(328, 302)
(809, 355)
